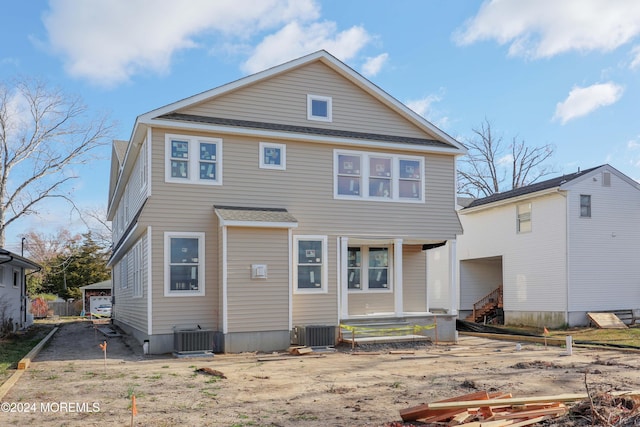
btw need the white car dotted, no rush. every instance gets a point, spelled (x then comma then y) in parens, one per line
(103, 310)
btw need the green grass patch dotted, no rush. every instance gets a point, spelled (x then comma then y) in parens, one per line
(16, 346)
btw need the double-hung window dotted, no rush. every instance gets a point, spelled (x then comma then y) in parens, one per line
(585, 206)
(378, 176)
(194, 160)
(368, 269)
(524, 217)
(184, 264)
(311, 264)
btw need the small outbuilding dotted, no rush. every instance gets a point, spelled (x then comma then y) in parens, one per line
(95, 294)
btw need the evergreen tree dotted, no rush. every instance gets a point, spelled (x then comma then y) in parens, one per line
(83, 264)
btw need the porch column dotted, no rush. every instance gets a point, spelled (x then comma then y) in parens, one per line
(343, 303)
(453, 278)
(397, 278)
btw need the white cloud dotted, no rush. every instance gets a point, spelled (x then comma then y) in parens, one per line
(544, 28)
(108, 42)
(295, 40)
(584, 100)
(635, 60)
(424, 107)
(372, 66)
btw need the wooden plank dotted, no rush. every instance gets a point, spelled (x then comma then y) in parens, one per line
(26, 361)
(425, 410)
(529, 422)
(555, 411)
(606, 321)
(567, 397)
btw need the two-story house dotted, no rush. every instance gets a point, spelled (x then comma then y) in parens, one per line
(301, 195)
(559, 248)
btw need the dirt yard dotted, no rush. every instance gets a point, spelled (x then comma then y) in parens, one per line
(68, 384)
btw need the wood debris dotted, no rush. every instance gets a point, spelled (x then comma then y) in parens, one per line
(484, 409)
(212, 372)
(299, 350)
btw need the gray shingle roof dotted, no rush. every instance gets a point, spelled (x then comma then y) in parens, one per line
(249, 214)
(532, 188)
(304, 129)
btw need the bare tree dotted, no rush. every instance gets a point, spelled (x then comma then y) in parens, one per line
(485, 169)
(95, 218)
(43, 131)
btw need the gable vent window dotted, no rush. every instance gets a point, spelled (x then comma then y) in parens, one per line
(606, 179)
(319, 108)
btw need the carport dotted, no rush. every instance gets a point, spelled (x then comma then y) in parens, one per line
(479, 277)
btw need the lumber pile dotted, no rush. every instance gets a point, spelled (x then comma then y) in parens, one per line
(483, 409)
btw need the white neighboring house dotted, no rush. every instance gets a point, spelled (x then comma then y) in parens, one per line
(13, 290)
(560, 248)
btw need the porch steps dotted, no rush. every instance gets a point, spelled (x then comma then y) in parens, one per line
(381, 332)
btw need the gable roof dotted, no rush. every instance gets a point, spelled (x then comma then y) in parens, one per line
(168, 116)
(332, 62)
(553, 183)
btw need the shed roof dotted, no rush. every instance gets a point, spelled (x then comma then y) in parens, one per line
(255, 216)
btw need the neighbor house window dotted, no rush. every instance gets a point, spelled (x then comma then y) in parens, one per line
(585, 206)
(193, 160)
(319, 108)
(273, 156)
(184, 264)
(311, 264)
(524, 217)
(16, 278)
(2, 276)
(368, 269)
(374, 176)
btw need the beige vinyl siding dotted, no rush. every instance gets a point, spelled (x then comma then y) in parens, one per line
(257, 304)
(414, 281)
(305, 189)
(129, 309)
(370, 303)
(131, 200)
(320, 308)
(283, 99)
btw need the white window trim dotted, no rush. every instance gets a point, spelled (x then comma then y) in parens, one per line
(167, 268)
(124, 271)
(328, 100)
(138, 269)
(16, 278)
(143, 166)
(323, 289)
(365, 174)
(283, 156)
(193, 160)
(364, 271)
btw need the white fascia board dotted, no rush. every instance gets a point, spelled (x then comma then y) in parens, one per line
(302, 137)
(125, 245)
(510, 200)
(258, 224)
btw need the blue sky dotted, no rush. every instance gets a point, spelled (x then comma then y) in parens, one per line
(544, 71)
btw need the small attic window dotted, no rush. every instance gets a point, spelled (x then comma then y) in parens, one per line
(319, 108)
